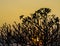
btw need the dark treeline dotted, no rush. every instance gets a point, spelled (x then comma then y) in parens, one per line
(38, 29)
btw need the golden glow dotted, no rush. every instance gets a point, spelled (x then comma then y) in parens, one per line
(37, 39)
(10, 10)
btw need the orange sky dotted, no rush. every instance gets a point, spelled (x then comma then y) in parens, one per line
(10, 10)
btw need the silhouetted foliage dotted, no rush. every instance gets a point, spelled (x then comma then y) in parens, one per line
(38, 29)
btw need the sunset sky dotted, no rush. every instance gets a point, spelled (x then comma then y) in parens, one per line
(10, 10)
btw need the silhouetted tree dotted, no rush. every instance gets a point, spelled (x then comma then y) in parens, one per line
(38, 29)
(43, 26)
